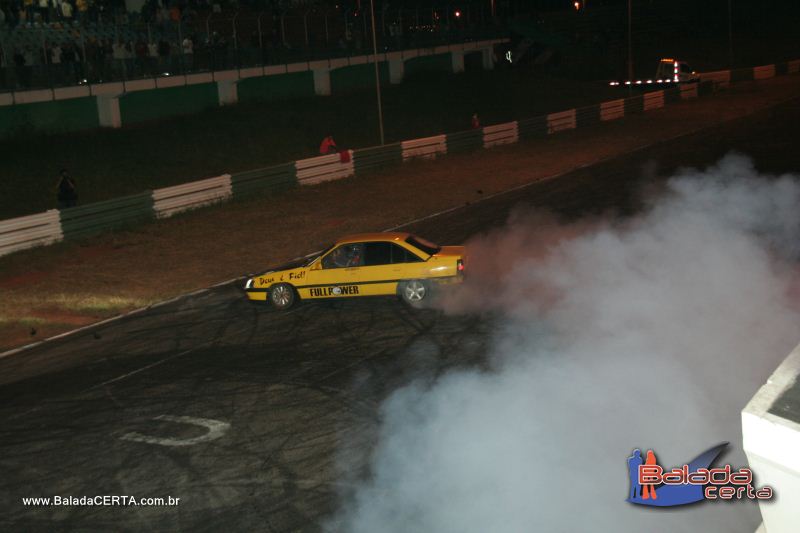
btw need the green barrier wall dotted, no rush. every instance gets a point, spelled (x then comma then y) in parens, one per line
(358, 77)
(464, 141)
(672, 95)
(742, 74)
(270, 180)
(437, 63)
(634, 104)
(473, 61)
(587, 116)
(52, 117)
(277, 87)
(158, 103)
(95, 218)
(377, 157)
(532, 128)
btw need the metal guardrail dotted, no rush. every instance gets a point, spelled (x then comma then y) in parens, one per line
(76, 222)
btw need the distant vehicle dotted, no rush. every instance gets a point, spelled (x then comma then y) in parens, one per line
(669, 71)
(371, 264)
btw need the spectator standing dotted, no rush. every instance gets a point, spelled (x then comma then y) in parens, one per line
(475, 122)
(66, 191)
(187, 46)
(328, 146)
(28, 10)
(107, 52)
(68, 58)
(66, 11)
(175, 14)
(118, 53)
(141, 57)
(152, 57)
(29, 65)
(129, 56)
(82, 6)
(55, 62)
(44, 10)
(92, 49)
(3, 68)
(163, 55)
(19, 69)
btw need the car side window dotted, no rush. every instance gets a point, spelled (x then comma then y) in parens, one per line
(401, 255)
(344, 256)
(377, 253)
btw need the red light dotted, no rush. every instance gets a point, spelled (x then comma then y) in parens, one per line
(458, 14)
(460, 265)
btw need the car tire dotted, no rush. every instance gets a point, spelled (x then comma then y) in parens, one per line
(415, 292)
(282, 296)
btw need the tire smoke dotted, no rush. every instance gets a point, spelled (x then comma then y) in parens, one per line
(651, 332)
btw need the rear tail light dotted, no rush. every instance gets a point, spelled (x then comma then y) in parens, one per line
(460, 265)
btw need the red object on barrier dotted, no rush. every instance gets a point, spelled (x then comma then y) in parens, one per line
(344, 156)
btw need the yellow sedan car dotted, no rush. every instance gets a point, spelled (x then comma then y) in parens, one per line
(371, 264)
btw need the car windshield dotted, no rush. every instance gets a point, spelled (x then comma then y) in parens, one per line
(311, 258)
(421, 244)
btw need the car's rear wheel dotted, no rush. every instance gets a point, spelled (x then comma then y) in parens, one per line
(415, 292)
(282, 296)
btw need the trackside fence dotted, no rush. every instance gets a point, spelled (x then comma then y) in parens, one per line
(78, 222)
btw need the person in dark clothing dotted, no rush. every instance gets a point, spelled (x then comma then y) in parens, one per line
(67, 192)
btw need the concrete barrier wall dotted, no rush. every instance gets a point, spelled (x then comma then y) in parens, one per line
(173, 200)
(324, 168)
(771, 440)
(46, 228)
(498, 134)
(427, 148)
(563, 120)
(653, 100)
(612, 110)
(29, 231)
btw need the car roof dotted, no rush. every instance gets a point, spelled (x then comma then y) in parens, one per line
(366, 237)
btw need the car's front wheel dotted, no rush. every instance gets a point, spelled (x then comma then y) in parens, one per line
(282, 296)
(415, 292)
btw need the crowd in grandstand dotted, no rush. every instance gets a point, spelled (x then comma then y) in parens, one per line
(46, 43)
(14, 13)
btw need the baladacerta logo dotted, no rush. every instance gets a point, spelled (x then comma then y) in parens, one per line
(655, 486)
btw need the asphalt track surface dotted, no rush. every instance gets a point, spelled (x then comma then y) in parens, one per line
(291, 399)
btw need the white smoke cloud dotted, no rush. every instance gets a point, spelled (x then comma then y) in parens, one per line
(652, 332)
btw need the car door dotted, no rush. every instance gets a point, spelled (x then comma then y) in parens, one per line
(334, 274)
(386, 264)
(378, 276)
